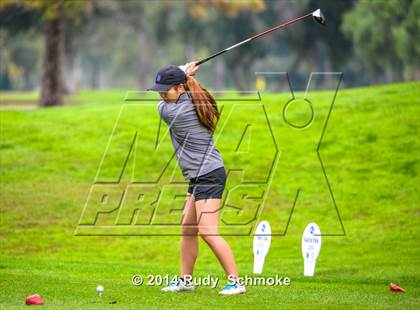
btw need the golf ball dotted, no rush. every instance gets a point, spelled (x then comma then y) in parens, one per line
(99, 288)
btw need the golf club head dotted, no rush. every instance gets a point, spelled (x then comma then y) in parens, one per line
(319, 17)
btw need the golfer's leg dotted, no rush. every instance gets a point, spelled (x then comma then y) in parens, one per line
(189, 239)
(208, 221)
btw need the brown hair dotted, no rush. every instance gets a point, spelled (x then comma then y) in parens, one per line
(204, 103)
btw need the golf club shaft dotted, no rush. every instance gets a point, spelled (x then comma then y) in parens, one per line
(253, 38)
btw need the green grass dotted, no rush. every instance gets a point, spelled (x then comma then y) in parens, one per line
(371, 151)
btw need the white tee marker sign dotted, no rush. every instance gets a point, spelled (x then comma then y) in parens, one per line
(262, 240)
(311, 245)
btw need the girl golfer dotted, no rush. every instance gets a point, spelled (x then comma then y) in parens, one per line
(191, 114)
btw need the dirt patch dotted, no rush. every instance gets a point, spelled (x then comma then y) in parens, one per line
(18, 105)
(30, 105)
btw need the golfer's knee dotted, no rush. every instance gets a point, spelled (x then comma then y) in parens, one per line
(188, 231)
(208, 234)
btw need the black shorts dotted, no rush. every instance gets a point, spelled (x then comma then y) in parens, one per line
(209, 185)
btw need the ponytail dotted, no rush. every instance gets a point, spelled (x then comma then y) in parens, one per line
(204, 103)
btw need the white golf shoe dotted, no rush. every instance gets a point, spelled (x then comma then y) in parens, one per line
(232, 289)
(178, 285)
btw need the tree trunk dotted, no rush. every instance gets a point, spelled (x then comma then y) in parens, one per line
(52, 88)
(219, 74)
(241, 74)
(241, 80)
(327, 75)
(95, 76)
(147, 50)
(375, 74)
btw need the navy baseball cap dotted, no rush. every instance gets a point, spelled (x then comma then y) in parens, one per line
(167, 77)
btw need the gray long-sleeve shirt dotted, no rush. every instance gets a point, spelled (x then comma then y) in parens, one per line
(193, 143)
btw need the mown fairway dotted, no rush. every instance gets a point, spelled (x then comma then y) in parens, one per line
(370, 151)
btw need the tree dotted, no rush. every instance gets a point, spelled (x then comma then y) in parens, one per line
(407, 43)
(53, 13)
(237, 22)
(19, 47)
(385, 37)
(52, 83)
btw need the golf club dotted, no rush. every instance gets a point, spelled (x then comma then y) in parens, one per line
(317, 15)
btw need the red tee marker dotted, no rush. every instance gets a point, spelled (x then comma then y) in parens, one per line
(34, 300)
(395, 288)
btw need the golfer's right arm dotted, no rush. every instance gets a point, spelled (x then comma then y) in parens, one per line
(190, 68)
